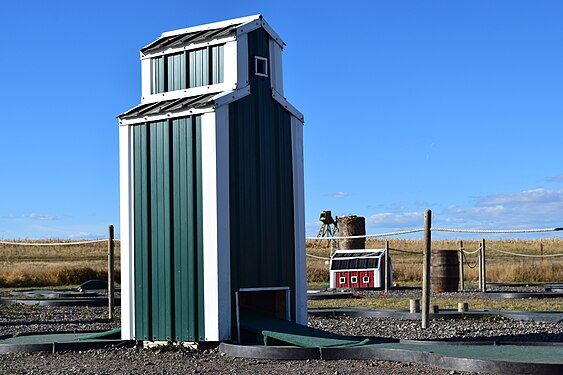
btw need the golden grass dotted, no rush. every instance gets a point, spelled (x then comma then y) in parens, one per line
(32, 266)
(62, 265)
(407, 268)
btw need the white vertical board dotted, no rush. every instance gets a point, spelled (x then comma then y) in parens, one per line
(216, 256)
(242, 61)
(146, 79)
(299, 221)
(230, 65)
(126, 225)
(223, 221)
(276, 73)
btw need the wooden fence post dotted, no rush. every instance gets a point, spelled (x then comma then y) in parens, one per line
(483, 267)
(461, 273)
(386, 270)
(111, 290)
(426, 268)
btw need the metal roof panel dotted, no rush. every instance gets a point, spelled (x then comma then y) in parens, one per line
(146, 109)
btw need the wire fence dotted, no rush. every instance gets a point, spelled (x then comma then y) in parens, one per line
(53, 243)
(451, 230)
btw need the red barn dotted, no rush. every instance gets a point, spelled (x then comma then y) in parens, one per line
(358, 269)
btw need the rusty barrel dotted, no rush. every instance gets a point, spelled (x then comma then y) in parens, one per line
(444, 271)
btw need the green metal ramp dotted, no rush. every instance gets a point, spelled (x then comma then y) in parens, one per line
(271, 330)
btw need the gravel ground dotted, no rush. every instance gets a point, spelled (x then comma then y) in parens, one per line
(21, 318)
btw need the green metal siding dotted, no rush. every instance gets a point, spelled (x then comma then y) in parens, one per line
(141, 234)
(261, 185)
(159, 75)
(168, 249)
(188, 245)
(176, 72)
(217, 63)
(160, 230)
(199, 67)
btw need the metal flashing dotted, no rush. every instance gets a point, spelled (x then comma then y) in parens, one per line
(231, 96)
(188, 92)
(287, 105)
(257, 23)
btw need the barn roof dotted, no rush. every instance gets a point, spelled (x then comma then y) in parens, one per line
(355, 259)
(209, 32)
(189, 37)
(147, 109)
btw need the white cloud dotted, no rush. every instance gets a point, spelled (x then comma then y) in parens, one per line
(42, 217)
(556, 178)
(395, 220)
(525, 209)
(87, 236)
(339, 194)
(535, 196)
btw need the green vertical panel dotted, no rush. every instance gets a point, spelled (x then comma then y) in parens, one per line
(160, 231)
(261, 185)
(198, 217)
(159, 78)
(217, 64)
(176, 71)
(199, 67)
(141, 249)
(184, 233)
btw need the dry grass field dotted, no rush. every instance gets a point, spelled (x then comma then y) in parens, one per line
(407, 267)
(33, 266)
(30, 266)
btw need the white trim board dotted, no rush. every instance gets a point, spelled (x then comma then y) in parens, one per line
(287, 105)
(216, 238)
(209, 216)
(231, 96)
(126, 225)
(193, 91)
(223, 221)
(252, 25)
(299, 221)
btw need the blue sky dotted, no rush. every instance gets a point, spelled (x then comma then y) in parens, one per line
(455, 106)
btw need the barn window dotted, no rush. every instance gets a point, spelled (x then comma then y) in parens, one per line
(342, 280)
(365, 279)
(260, 66)
(354, 279)
(194, 68)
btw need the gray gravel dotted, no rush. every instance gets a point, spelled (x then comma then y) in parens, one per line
(21, 318)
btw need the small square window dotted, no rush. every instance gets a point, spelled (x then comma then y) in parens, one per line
(354, 279)
(342, 280)
(260, 66)
(365, 279)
